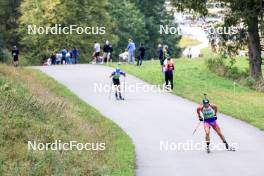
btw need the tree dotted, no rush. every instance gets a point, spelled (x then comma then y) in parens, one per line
(156, 14)
(8, 24)
(49, 13)
(245, 11)
(128, 23)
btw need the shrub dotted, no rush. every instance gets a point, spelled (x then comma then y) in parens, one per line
(216, 65)
(229, 70)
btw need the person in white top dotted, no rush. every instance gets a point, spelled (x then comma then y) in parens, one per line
(96, 51)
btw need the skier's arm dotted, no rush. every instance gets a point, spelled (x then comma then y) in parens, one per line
(123, 73)
(112, 74)
(199, 109)
(215, 109)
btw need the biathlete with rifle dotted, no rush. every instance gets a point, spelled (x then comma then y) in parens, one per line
(209, 116)
(116, 81)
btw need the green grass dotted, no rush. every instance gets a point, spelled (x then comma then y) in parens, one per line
(187, 42)
(35, 107)
(192, 79)
(242, 63)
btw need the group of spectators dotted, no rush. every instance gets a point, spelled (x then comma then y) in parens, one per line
(127, 56)
(65, 56)
(107, 53)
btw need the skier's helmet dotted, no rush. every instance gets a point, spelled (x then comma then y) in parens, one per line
(205, 101)
(117, 70)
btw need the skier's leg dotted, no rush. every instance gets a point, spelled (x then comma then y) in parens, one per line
(207, 135)
(119, 92)
(171, 80)
(166, 80)
(220, 134)
(116, 91)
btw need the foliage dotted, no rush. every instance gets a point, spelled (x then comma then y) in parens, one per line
(8, 24)
(238, 12)
(45, 13)
(128, 23)
(156, 14)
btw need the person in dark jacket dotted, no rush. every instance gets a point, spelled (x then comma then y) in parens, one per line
(75, 55)
(15, 53)
(106, 50)
(63, 54)
(53, 58)
(141, 54)
(111, 53)
(160, 54)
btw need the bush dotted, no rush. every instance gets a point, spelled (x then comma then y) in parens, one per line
(219, 67)
(216, 65)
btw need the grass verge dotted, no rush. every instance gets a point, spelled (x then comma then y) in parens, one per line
(34, 107)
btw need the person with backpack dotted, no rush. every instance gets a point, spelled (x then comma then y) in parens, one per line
(141, 54)
(168, 70)
(208, 114)
(116, 82)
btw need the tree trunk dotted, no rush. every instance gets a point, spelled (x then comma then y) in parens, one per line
(254, 49)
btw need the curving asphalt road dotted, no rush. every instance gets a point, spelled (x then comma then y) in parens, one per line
(154, 118)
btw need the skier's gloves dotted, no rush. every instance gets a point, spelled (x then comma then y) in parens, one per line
(215, 117)
(200, 118)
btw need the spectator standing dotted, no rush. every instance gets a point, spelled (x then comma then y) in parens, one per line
(75, 55)
(96, 51)
(141, 54)
(168, 69)
(111, 52)
(131, 51)
(15, 54)
(53, 58)
(160, 53)
(106, 50)
(63, 56)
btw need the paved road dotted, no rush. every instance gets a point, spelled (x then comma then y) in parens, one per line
(152, 118)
